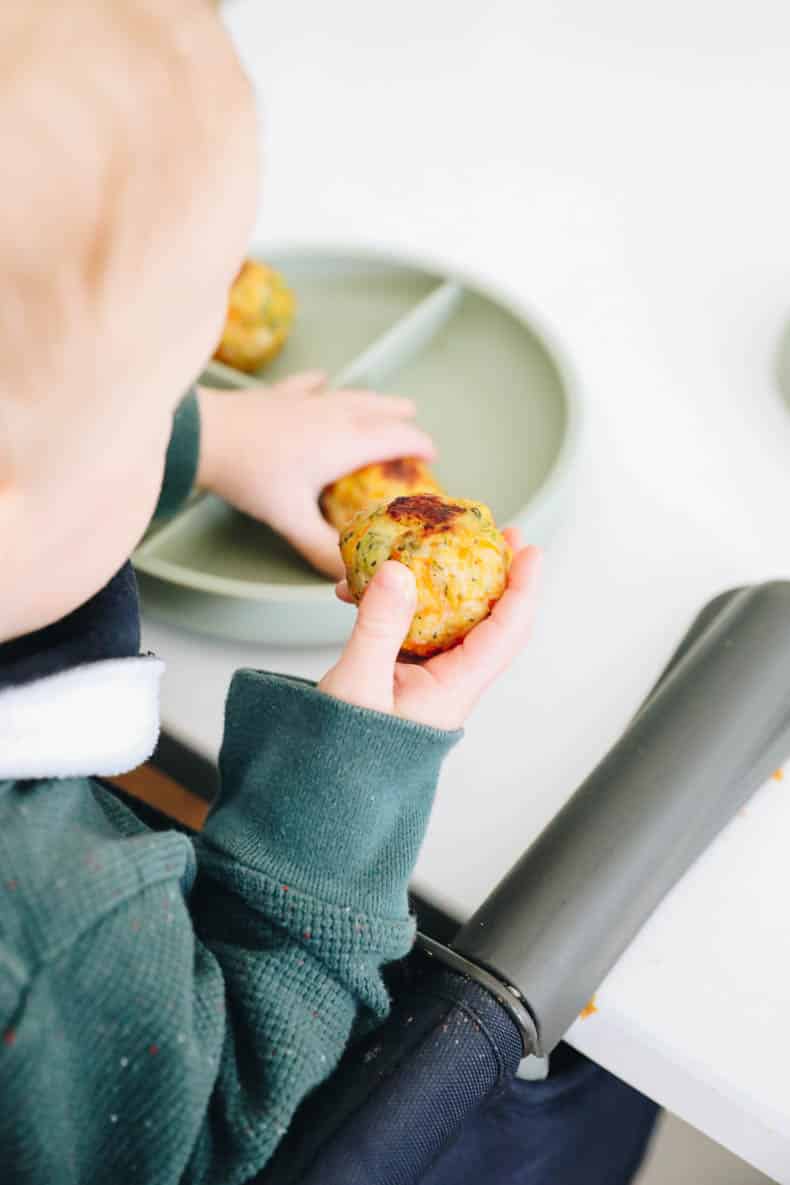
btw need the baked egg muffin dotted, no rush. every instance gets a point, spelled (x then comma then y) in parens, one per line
(260, 314)
(373, 485)
(459, 558)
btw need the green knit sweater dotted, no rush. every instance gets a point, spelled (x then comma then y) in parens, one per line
(167, 1001)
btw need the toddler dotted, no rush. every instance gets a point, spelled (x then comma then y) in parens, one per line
(167, 1001)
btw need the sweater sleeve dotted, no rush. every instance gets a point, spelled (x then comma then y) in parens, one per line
(172, 1039)
(303, 871)
(183, 453)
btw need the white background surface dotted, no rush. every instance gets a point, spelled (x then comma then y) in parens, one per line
(624, 170)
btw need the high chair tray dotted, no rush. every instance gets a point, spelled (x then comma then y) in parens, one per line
(494, 391)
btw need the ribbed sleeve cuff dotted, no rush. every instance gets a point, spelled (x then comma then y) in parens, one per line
(325, 798)
(183, 454)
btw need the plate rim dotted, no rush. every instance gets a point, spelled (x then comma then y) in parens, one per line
(557, 476)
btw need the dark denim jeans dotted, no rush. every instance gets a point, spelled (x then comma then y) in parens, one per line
(404, 1107)
(581, 1126)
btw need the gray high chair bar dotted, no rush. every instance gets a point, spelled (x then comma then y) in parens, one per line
(713, 730)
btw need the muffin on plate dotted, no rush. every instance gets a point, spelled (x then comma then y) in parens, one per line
(459, 558)
(373, 485)
(260, 314)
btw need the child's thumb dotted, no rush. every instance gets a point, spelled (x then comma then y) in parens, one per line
(365, 672)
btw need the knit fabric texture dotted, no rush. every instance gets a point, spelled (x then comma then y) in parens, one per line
(166, 1001)
(183, 453)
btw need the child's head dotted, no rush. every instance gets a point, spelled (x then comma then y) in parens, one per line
(129, 191)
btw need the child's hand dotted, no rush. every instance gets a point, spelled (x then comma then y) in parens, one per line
(442, 691)
(271, 452)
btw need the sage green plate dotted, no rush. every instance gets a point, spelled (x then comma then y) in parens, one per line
(494, 392)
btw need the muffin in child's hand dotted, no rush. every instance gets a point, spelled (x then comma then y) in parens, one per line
(260, 313)
(373, 485)
(459, 558)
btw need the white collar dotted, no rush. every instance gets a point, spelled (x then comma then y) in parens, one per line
(100, 718)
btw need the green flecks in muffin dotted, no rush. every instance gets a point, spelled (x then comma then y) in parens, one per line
(374, 549)
(411, 542)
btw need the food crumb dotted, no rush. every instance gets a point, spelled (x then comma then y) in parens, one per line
(589, 1008)
(778, 775)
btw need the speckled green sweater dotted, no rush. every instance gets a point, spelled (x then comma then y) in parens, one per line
(166, 1001)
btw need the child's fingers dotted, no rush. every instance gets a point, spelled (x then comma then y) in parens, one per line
(306, 381)
(366, 670)
(316, 540)
(385, 442)
(370, 405)
(343, 593)
(491, 646)
(514, 538)
(513, 614)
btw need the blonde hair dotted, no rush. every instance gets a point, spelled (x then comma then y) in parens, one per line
(116, 120)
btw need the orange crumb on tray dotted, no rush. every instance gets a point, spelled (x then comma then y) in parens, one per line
(778, 775)
(589, 1008)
